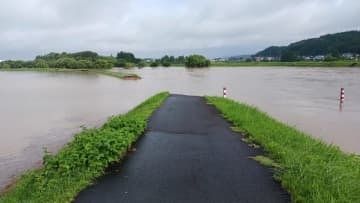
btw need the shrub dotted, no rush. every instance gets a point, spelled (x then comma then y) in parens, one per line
(197, 61)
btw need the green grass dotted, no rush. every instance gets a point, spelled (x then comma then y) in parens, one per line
(117, 74)
(309, 169)
(266, 161)
(67, 70)
(295, 64)
(83, 159)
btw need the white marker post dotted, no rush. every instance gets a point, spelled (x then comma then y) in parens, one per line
(342, 95)
(342, 98)
(224, 92)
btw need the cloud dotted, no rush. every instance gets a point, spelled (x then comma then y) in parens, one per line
(157, 27)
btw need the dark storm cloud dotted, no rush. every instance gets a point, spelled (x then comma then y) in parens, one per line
(156, 27)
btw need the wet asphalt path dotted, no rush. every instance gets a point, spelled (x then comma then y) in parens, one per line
(188, 154)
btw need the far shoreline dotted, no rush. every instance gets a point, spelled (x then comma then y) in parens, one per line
(239, 64)
(327, 64)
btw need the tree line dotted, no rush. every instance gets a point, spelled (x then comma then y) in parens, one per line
(78, 60)
(92, 60)
(128, 60)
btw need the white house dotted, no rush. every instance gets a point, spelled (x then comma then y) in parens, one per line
(219, 59)
(269, 58)
(348, 56)
(149, 60)
(308, 58)
(259, 58)
(319, 58)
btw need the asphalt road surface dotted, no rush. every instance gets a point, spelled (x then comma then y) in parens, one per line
(188, 154)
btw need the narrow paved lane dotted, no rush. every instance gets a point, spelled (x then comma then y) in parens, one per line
(188, 154)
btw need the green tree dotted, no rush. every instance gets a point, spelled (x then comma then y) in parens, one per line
(165, 61)
(120, 63)
(66, 63)
(288, 56)
(49, 57)
(126, 56)
(85, 64)
(41, 63)
(110, 59)
(16, 64)
(78, 60)
(180, 59)
(141, 64)
(4, 65)
(330, 57)
(129, 65)
(154, 64)
(197, 61)
(84, 55)
(172, 59)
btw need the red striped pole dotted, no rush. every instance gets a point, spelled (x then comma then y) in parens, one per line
(342, 95)
(224, 92)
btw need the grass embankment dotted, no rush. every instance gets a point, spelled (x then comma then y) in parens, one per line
(67, 70)
(85, 158)
(295, 64)
(309, 169)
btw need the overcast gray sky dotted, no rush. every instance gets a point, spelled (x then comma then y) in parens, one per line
(152, 28)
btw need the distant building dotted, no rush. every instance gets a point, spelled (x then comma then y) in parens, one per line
(148, 60)
(348, 56)
(319, 58)
(265, 58)
(240, 58)
(258, 58)
(219, 59)
(269, 58)
(308, 58)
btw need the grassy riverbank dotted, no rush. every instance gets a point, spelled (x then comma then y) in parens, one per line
(295, 64)
(309, 169)
(67, 70)
(83, 159)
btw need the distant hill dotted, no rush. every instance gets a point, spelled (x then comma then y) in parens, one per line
(339, 43)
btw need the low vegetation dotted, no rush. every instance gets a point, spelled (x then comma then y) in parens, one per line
(75, 166)
(128, 76)
(195, 60)
(309, 169)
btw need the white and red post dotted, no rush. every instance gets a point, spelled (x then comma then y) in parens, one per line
(342, 95)
(342, 98)
(224, 92)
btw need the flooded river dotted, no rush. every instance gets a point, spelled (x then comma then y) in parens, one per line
(44, 109)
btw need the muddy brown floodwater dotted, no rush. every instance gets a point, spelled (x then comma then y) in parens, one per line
(45, 109)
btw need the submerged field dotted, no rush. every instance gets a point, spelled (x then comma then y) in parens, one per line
(82, 160)
(309, 169)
